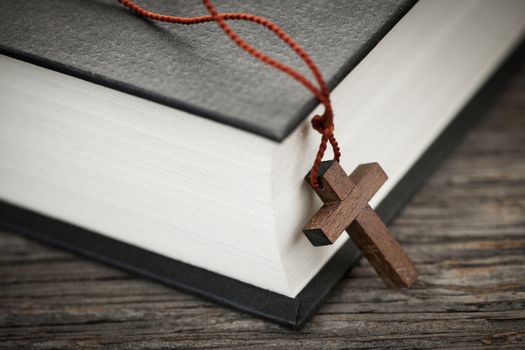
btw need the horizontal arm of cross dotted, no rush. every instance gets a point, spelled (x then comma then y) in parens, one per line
(344, 196)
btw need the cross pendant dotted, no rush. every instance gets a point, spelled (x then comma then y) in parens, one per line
(346, 208)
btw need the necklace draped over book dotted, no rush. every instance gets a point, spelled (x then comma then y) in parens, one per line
(345, 197)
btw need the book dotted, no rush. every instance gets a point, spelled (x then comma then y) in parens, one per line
(167, 151)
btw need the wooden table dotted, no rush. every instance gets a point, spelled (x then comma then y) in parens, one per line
(465, 231)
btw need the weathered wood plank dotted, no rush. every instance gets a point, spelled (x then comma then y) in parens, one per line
(465, 230)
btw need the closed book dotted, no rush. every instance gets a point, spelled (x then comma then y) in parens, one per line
(167, 151)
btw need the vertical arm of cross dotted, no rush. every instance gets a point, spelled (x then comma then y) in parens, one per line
(382, 250)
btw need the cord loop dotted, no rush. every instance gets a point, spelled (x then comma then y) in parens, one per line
(324, 123)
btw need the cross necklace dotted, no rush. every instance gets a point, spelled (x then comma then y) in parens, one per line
(346, 208)
(345, 197)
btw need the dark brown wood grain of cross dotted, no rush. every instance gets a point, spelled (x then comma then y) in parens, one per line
(346, 208)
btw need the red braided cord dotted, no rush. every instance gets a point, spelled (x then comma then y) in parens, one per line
(323, 123)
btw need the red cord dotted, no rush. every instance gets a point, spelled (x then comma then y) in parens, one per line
(324, 123)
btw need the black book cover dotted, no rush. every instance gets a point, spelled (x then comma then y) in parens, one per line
(198, 68)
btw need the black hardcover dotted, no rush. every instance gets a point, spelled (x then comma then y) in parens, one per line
(290, 312)
(198, 68)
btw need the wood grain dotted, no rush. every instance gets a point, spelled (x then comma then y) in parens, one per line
(346, 208)
(382, 250)
(465, 230)
(327, 224)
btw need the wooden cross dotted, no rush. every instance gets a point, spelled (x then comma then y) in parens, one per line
(346, 208)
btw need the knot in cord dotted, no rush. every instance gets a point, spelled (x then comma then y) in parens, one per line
(321, 125)
(325, 126)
